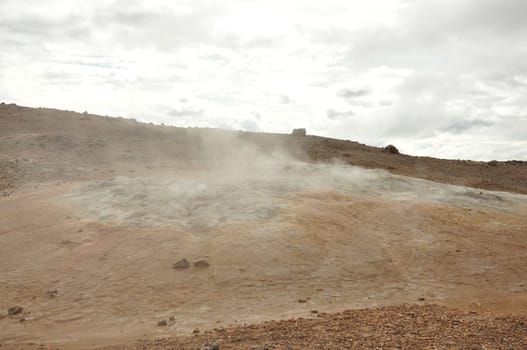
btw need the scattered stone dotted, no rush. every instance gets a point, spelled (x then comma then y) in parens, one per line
(302, 301)
(391, 149)
(314, 311)
(421, 299)
(15, 310)
(299, 132)
(52, 293)
(171, 318)
(195, 331)
(201, 263)
(181, 264)
(162, 323)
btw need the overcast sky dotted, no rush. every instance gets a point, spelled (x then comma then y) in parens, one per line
(445, 78)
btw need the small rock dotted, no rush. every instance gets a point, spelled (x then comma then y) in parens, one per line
(171, 318)
(52, 293)
(162, 323)
(201, 263)
(195, 331)
(390, 149)
(421, 299)
(15, 310)
(299, 132)
(302, 301)
(314, 311)
(211, 347)
(181, 264)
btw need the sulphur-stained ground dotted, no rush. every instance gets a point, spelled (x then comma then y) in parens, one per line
(123, 235)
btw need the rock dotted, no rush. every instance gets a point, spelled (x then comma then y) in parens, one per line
(162, 323)
(211, 347)
(15, 310)
(391, 149)
(493, 163)
(299, 132)
(52, 293)
(171, 318)
(302, 301)
(195, 331)
(181, 264)
(201, 263)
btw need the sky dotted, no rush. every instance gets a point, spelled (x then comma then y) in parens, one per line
(441, 78)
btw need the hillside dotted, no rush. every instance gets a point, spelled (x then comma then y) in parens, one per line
(125, 235)
(49, 145)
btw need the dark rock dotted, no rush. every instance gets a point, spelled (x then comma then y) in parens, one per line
(201, 263)
(211, 347)
(391, 149)
(181, 264)
(299, 132)
(15, 310)
(52, 293)
(162, 323)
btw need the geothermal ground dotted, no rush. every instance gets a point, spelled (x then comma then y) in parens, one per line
(291, 242)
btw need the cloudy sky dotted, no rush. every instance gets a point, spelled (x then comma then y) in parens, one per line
(445, 78)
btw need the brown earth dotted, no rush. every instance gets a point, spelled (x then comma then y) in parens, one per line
(95, 212)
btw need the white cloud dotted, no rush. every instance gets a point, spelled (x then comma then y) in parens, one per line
(438, 77)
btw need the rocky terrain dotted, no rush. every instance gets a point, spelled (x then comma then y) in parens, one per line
(125, 235)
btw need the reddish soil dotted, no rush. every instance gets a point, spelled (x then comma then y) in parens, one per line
(95, 211)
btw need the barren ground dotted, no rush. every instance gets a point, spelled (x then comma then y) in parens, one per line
(95, 211)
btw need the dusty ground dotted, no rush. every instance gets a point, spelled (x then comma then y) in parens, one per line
(95, 212)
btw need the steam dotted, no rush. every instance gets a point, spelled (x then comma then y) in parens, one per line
(232, 181)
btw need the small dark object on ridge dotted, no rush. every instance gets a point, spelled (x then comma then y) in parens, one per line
(391, 149)
(493, 163)
(299, 132)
